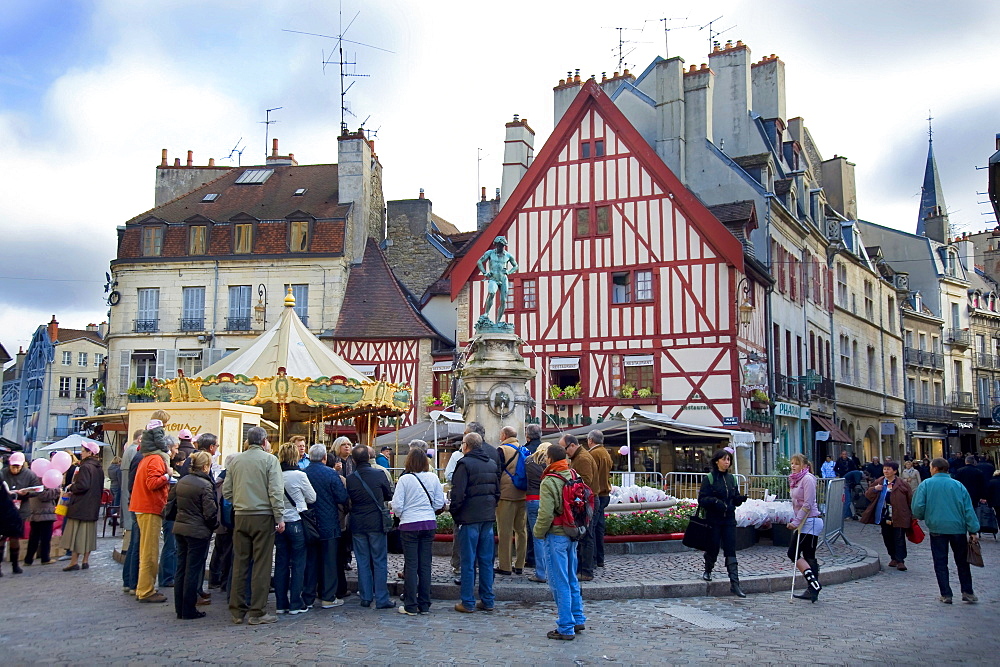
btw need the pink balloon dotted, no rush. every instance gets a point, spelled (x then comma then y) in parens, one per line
(61, 461)
(39, 466)
(52, 479)
(623, 450)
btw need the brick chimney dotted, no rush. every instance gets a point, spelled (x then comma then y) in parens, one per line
(275, 160)
(486, 210)
(518, 152)
(53, 330)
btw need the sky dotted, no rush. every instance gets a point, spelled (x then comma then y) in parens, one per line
(92, 90)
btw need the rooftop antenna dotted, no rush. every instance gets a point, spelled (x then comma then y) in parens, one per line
(667, 29)
(267, 128)
(622, 53)
(339, 49)
(237, 151)
(713, 33)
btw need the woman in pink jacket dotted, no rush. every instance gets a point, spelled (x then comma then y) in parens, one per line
(808, 522)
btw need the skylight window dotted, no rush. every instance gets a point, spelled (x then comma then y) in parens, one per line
(212, 196)
(254, 176)
(299, 192)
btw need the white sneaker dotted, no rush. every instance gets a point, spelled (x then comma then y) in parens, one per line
(330, 604)
(298, 611)
(402, 610)
(281, 611)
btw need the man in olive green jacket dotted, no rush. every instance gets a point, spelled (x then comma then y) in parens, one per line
(561, 568)
(583, 462)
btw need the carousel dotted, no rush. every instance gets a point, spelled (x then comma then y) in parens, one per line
(300, 383)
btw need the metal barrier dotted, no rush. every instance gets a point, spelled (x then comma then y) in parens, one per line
(830, 497)
(653, 479)
(759, 485)
(687, 484)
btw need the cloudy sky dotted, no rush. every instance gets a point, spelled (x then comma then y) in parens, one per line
(91, 90)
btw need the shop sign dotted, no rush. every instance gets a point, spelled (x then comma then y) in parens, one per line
(966, 425)
(730, 421)
(791, 410)
(990, 441)
(888, 428)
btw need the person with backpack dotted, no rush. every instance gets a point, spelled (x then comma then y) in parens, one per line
(511, 517)
(561, 486)
(719, 496)
(582, 461)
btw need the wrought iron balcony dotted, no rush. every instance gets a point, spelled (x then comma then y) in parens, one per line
(959, 337)
(825, 388)
(238, 324)
(193, 324)
(927, 411)
(922, 358)
(962, 400)
(146, 326)
(985, 360)
(786, 387)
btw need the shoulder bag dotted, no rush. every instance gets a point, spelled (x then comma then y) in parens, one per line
(308, 518)
(431, 502)
(698, 534)
(386, 517)
(974, 556)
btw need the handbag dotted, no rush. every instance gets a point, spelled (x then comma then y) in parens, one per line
(698, 534)
(387, 523)
(914, 533)
(169, 511)
(62, 509)
(974, 556)
(308, 518)
(437, 511)
(987, 519)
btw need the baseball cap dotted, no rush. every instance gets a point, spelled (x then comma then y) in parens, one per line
(16, 459)
(91, 447)
(184, 434)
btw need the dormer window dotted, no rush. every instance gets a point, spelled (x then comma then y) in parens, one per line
(197, 239)
(951, 263)
(918, 303)
(298, 235)
(152, 241)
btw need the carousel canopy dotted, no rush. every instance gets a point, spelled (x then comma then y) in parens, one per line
(289, 345)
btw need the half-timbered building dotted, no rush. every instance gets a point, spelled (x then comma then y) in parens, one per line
(629, 290)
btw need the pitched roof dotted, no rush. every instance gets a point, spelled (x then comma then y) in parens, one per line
(376, 306)
(4, 355)
(737, 211)
(753, 161)
(590, 96)
(66, 335)
(443, 225)
(931, 194)
(274, 199)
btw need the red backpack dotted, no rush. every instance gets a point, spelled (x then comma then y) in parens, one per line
(577, 509)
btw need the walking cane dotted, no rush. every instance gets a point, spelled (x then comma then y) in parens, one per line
(795, 560)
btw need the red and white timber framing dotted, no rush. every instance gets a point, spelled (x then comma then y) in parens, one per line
(690, 325)
(396, 361)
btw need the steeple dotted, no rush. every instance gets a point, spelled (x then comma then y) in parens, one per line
(932, 220)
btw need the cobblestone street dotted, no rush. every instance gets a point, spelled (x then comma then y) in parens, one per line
(83, 618)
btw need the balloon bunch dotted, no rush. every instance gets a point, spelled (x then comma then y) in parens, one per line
(52, 471)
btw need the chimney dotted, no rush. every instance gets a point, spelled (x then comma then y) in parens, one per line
(731, 100)
(768, 91)
(163, 158)
(275, 160)
(486, 210)
(190, 161)
(53, 330)
(421, 193)
(564, 94)
(102, 329)
(670, 115)
(359, 184)
(211, 162)
(699, 94)
(837, 177)
(91, 327)
(517, 154)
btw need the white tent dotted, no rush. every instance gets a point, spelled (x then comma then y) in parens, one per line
(73, 441)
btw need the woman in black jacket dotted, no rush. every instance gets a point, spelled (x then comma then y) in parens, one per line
(719, 497)
(197, 516)
(80, 531)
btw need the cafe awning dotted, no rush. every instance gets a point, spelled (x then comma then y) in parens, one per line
(836, 435)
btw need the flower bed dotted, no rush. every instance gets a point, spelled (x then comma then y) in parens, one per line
(650, 522)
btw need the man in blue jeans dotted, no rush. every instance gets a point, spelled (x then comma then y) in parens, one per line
(474, 495)
(947, 508)
(561, 551)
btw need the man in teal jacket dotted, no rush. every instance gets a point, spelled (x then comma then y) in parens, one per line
(945, 505)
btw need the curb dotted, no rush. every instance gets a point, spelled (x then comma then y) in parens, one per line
(772, 583)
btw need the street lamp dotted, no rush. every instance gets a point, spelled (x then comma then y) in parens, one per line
(628, 414)
(260, 310)
(746, 306)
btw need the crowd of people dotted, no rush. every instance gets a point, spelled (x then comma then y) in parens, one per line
(289, 519)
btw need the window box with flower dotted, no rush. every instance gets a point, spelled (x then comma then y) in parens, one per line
(438, 402)
(565, 395)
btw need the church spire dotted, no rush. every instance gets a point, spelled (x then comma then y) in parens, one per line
(932, 204)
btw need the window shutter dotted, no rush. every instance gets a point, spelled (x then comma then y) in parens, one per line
(213, 355)
(166, 364)
(124, 370)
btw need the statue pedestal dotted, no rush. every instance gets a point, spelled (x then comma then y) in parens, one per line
(493, 381)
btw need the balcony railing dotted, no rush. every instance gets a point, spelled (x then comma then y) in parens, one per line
(193, 324)
(927, 411)
(146, 326)
(959, 337)
(824, 389)
(63, 431)
(962, 400)
(985, 360)
(923, 358)
(237, 324)
(784, 387)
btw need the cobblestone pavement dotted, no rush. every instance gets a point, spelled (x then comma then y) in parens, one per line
(892, 617)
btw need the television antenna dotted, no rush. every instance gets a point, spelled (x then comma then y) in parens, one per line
(713, 33)
(622, 53)
(339, 51)
(237, 151)
(667, 29)
(267, 128)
